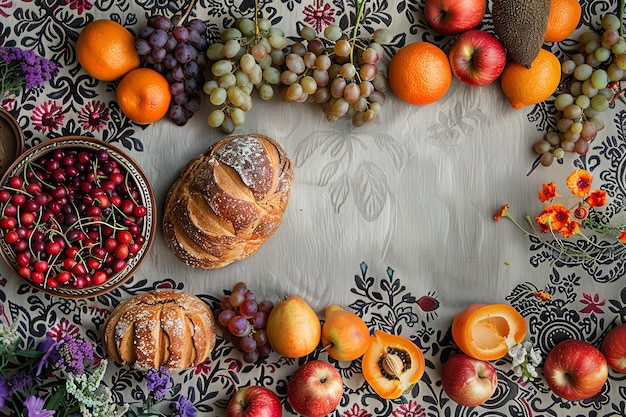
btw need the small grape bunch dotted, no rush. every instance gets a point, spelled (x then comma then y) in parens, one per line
(592, 78)
(340, 73)
(246, 59)
(176, 48)
(244, 319)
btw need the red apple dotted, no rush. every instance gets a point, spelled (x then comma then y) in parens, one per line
(614, 348)
(575, 370)
(468, 381)
(254, 401)
(315, 389)
(454, 16)
(477, 57)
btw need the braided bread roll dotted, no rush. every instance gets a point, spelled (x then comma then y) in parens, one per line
(169, 328)
(227, 201)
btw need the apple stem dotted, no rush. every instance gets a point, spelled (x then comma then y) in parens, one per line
(328, 346)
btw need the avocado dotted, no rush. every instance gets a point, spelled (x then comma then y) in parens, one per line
(521, 25)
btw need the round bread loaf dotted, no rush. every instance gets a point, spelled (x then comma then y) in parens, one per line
(227, 201)
(169, 328)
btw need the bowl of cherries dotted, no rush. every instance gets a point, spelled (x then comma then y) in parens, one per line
(77, 217)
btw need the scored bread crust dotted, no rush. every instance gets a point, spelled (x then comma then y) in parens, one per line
(167, 327)
(227, 201)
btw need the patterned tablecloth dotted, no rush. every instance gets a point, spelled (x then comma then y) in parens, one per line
(393, 220)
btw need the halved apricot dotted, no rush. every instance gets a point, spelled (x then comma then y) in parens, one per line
(392, 364)
(487, 331)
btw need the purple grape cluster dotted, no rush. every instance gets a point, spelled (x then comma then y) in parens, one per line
(244, 319)
(177, 49)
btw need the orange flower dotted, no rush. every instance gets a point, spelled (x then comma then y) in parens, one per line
(553, 217)
(501, 212)
(548, 192)
(579, 182)
(622, 236)
(597, 198)
(570, 228)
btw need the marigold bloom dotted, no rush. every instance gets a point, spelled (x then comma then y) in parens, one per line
(553, 217)
(547, 192)
(501, 212)
(570, 228)
(579, 182)
(622, 236)
(597, 198)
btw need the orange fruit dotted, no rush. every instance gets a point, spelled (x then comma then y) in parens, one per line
(144, 95)
(525, 86)
(106, 50)
(563, 19)
(419, 73)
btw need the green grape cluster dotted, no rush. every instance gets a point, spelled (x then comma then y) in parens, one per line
(338, 72)
(247, 58)
(592, 75)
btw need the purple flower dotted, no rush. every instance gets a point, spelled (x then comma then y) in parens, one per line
(184, 408)
(34, 406)
(20, 380)
(159, 382)
(23, 69)
(72, 354)
(50, 355)
(4, 392)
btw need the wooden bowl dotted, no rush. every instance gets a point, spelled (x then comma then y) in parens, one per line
(97, 228)
(11, 140)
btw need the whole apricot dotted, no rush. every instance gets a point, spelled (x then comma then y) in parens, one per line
(345, 336)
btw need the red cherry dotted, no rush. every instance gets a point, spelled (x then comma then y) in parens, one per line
(41, 266)
(23, 259)
(71, 251)
(119, 264)
(8, 223)
(4, 196)
(11, 237)
(52, 282)
(79, 283)
(27, 218)
(121, 252)
(93, 263)
(117, 178)
(69, 263)
(140, 211)
(15, 182)
(79, 269)
(34, 188)
(24, 271)
(37, 277)
(128, 206)
(99, 278)
(124, 236)
(110, 244)
(18, 199)
(53, 248)
(63, 277)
